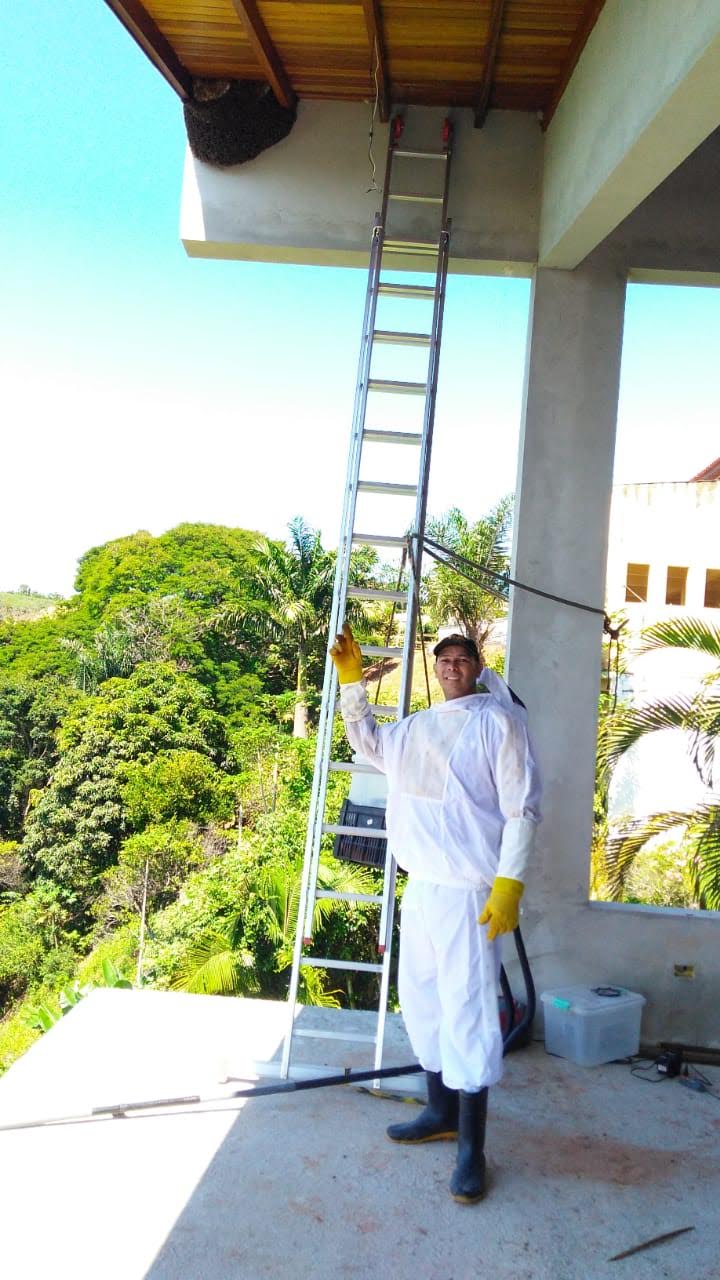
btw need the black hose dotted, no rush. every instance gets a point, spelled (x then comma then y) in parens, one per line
(513, 1039)
(507, 996)
(516, 1035)
(120, 1109)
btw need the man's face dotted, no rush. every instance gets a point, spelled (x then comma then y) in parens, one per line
(457, 671)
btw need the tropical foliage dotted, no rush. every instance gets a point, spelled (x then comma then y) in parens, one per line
(452, 596)
(290, 608)
(156, 760)
(698, 716)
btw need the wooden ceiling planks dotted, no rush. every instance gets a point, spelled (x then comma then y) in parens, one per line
(590, 15)
(378, 56)
(265, 51)
(508, 54)
(495, 22)
(154, 44)
(435, 50)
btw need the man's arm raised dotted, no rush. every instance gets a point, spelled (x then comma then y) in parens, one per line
(361, 727)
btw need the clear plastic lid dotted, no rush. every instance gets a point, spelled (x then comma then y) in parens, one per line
(605, 996)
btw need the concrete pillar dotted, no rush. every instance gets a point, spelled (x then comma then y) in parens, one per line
(560, 545)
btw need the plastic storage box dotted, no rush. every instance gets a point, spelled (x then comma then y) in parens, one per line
(591, 1025)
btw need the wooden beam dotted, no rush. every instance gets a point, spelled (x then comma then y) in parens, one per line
(590, 15)
(151, 40)
(373, 22)
(491, 48)
(265, 52)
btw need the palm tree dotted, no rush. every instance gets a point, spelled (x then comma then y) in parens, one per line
(699, 716)
(451, 596)
(294, 591)
(219, 964)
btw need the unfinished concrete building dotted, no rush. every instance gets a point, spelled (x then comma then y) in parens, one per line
(587, 154)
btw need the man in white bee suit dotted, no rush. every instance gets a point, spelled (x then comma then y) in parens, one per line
(463, 805)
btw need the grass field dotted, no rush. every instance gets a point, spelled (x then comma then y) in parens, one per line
(389, 682)
(24, 605)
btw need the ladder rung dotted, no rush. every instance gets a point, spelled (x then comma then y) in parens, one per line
(375, 593)
(392, 490)
(360, 966)
(427, 248)
(335, 1035)
(337, 896)
(378, 709)
(379, 540)
(374, 436)
(422, 155)
(398, 338)
(381, 650)
(397, 388)
(365, 833)
(352, 766)
(412, 198)
(395, 289)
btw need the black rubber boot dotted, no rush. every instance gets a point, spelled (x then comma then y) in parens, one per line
(438, 1120)
(467, 1184)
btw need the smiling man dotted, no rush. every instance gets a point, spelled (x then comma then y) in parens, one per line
(463, 804)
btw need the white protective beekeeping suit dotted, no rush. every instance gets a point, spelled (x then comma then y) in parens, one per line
(463, 804)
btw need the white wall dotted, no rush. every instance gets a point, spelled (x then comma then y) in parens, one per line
(554, 664)
(644, 95)
(660, 525)
(307, 200)
(668, 523)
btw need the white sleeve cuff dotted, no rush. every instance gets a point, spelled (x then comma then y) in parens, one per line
(353, 701)
(518, 838)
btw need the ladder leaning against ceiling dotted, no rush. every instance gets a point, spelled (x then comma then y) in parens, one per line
(384, 249)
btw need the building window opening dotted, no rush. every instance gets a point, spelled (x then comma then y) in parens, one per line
(712, 589)
(636, 583)
(675, 584)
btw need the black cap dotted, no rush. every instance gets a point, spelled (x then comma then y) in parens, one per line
(463, 642)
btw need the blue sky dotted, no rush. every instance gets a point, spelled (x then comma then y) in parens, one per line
(142, 388)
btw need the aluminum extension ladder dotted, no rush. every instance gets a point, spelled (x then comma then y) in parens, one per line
(384, 248)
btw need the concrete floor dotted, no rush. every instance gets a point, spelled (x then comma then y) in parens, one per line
(584, 1162)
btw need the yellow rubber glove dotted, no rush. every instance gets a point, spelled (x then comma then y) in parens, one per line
(347, 657)
(502, 908)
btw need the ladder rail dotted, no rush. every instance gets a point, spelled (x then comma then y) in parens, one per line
(342, 568)
(329, 691)
(313, 841)
(427, 433)
(317, 827)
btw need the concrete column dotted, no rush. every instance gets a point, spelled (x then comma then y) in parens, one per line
(560, 545)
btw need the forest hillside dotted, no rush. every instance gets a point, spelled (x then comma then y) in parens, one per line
(156, 757)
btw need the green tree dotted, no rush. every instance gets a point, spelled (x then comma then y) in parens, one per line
(175, 784)
(202, 565)
(30, 713)
(32, 649)
(154, 599)
(453, 598)
(291, 608)
(77, 823)
(698, 715)
(36, 942)
(220, 963)
(151, 867)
